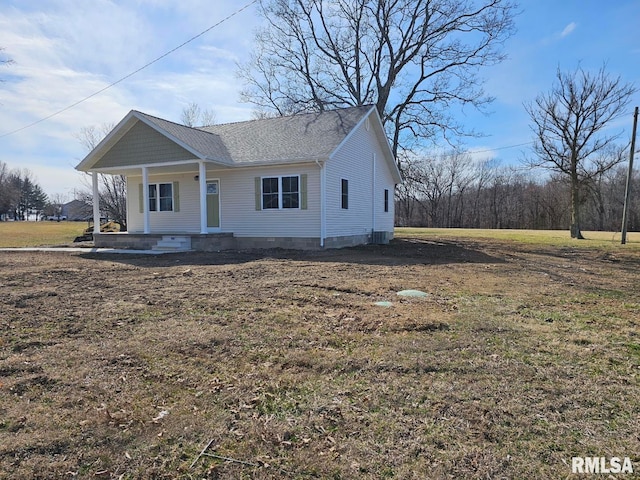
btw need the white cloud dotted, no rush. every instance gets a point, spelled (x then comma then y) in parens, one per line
(66, 50)
(568, 29)
(63, 180)
(482, 154)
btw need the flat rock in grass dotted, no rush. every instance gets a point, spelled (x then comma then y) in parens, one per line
(412, 293)
(384, 304)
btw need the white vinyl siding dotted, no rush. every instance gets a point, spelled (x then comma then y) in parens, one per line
(353, 162)
(241, 216)
(385, 221)
(185, 216)
(238, 214)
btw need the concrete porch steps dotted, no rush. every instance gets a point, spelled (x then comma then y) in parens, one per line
(173, 243)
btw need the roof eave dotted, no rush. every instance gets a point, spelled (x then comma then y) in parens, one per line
(93, 156)
(275, 163)
(382, 136)
(391, 160)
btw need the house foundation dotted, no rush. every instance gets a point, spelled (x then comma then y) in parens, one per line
(215, 242)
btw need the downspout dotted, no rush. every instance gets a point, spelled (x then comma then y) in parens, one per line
(323, 202)
(373, 198)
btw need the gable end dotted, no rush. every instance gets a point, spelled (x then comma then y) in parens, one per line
(142, 145)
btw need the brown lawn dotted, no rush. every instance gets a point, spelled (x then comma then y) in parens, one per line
(520, 357)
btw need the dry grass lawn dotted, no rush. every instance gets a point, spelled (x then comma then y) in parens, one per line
(520, 357)
(36, 234)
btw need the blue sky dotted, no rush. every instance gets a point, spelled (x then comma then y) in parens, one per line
(65, 50)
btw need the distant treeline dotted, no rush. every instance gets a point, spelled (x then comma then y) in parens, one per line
(453, 191)
(20, 195)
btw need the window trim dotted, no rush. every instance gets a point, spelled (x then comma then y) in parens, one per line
(157, 197)
(280, 192)
(386, 200)
(262, 193)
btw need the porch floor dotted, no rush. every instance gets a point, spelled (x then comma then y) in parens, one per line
(147, 241)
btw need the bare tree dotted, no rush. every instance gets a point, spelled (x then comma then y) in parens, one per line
(89, 137)
(447, 191)
(439, 187)
(54, 207)
(3, 59)
(485, 172)
(113, 188)
(568, 124)
(193, 116)
(413, 59)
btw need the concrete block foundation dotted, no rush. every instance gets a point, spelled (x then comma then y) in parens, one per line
(216, 242)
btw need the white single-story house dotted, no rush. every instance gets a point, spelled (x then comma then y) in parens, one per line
(314, 180)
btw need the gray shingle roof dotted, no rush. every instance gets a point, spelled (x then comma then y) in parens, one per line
(301, 137)
(208, 145)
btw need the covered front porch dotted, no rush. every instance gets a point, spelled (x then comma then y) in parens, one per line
(171, 198)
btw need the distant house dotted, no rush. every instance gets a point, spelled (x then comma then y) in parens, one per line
(312, 180)
(76, 210)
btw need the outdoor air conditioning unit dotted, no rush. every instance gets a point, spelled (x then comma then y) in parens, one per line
(379, 238)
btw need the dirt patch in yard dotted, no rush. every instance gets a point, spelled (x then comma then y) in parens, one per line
(519, 358)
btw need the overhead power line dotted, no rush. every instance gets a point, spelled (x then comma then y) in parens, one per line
(488, 150)
(69, 107)
(500, 148)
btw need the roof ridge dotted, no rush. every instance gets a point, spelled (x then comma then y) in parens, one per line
(160, 118)
(299, 114)
(196, 129)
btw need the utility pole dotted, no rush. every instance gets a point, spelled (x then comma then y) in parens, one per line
(627, 192)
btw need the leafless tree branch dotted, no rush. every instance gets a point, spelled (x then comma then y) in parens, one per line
(570, 123)
(414, 59)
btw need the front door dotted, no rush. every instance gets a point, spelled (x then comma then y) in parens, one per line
(213, 203)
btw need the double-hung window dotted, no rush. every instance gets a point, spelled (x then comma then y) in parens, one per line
(161, 197)
(280, 192)
(290, 192)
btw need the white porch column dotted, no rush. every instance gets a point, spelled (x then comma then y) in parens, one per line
(203, 197)
(145, 199)
(96, 203)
